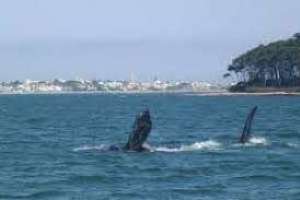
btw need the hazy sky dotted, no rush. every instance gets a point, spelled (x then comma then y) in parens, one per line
(111, 39)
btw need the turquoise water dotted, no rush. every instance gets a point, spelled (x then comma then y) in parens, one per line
(51, 147)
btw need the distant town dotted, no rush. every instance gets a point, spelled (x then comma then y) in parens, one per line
(64, 86)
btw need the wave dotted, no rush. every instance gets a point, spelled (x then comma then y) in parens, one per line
(206, 145)
(293, 145)
(254, 141)
(91, 147)
(209, 145)
(37, 195)
(258, 141)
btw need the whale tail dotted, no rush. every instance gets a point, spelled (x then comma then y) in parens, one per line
(141, 129)
(247, 126)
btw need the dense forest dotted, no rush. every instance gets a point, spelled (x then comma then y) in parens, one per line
(275, 65)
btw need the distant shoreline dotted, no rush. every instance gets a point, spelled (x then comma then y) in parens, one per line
(249, 94)
(279, 93)
(267, 90)
(104, 92)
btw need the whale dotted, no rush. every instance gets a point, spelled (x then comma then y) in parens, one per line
(142, 127)
(246, 134)
(140, 131)
(138, 136)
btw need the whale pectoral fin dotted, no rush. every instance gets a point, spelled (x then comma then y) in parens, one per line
(247, 126)
(140, 132)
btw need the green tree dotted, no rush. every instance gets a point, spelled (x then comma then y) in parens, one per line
(276, 64)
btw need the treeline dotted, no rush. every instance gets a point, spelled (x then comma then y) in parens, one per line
(274, 65)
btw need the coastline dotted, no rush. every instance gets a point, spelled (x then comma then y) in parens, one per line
(221, 93)
(248, 94)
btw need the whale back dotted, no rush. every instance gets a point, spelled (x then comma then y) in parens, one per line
(140, 131)
(248, 125)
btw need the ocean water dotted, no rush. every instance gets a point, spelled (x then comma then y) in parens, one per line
(53, 147)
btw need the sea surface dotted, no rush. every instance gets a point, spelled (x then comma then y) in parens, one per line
(55, 147)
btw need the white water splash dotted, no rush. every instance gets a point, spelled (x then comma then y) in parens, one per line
(293, 145)
(206, 145)
(89, 148)
(209, 145)
(254, 141)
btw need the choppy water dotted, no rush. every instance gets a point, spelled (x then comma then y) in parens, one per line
(51, 147)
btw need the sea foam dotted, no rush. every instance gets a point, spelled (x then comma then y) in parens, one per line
(257, 141)
(205, 145)
(90, 148)
(293, 145)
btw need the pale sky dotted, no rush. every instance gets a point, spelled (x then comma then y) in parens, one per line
(101, 39)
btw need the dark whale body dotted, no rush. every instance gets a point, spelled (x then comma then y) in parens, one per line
(140, 131)
(247, 126)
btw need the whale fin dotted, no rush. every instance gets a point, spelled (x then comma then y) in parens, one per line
(247, 126)
(141, 130)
